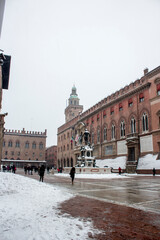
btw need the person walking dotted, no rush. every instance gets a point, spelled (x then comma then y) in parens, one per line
(72, 173)
(41, 173)
(154, 171)
(120, 170)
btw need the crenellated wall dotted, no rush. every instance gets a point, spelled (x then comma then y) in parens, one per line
(24, 132)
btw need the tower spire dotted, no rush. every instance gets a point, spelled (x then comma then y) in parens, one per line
(73, 108)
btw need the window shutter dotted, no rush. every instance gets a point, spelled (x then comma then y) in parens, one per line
(158, 87)
(141, 95)
(120, 105)
(112, 109)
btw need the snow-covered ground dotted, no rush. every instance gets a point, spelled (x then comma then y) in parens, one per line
(93, 176)
(147, 162)
(28, 211)
(114, 163)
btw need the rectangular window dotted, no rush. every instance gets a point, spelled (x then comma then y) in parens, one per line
(92, 119)
(104, 113)
(141, 97)
(112, 111)
(158, 89)
(120, 107)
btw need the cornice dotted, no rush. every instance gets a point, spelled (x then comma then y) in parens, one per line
(118, 99)
(153, 72)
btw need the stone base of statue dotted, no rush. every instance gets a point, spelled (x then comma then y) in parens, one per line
(88, 170)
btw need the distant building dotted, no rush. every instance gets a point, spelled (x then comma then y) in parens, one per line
(24, 147)
(51, 156)
(126, 123)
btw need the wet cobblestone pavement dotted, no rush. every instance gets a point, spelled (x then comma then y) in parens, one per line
(116, 221)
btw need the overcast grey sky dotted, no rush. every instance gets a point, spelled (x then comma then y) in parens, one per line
(98, 45)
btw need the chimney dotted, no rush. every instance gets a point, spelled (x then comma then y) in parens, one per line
(145, 71)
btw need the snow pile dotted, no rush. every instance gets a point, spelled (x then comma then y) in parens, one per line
(28, 211)
(148, 162)
(114, 163)
(92, 175)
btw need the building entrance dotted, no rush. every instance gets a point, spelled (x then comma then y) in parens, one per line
(131, 154)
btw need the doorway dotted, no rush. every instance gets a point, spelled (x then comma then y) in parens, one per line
(131, 154)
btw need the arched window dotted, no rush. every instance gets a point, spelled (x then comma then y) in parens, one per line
(92, 137)
(144, 122)
(105, 134)
(113, 131)
(98, 135)
(133, 125)
(122, 129)
(41, 145)
(33, 145)
(4, 143)
(27, 144)
(67, 162)
(17, 144)
(64, 163)
(10, 143)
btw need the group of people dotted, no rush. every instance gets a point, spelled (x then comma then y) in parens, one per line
(9, 168)
(40, 169)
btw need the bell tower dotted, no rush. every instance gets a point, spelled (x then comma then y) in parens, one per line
(73, 108)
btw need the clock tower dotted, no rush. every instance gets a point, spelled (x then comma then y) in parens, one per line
(73, 108)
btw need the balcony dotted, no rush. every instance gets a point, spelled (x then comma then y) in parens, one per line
(132, 136)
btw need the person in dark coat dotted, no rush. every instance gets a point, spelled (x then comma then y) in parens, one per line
(25, 169)
(154, 171)
(72, 173)
(119, 169)
(14, 169)
(41, 172)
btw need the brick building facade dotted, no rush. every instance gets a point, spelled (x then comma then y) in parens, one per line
(126, 123)
(22, 147)
(51, 156)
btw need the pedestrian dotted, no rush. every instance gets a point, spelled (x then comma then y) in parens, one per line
(48, 169)
(25, 169)
(41, 172)
(14, 169)
(72, 173)
(38, 170)
(154, 171)
(31, 170)
(119, 169)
